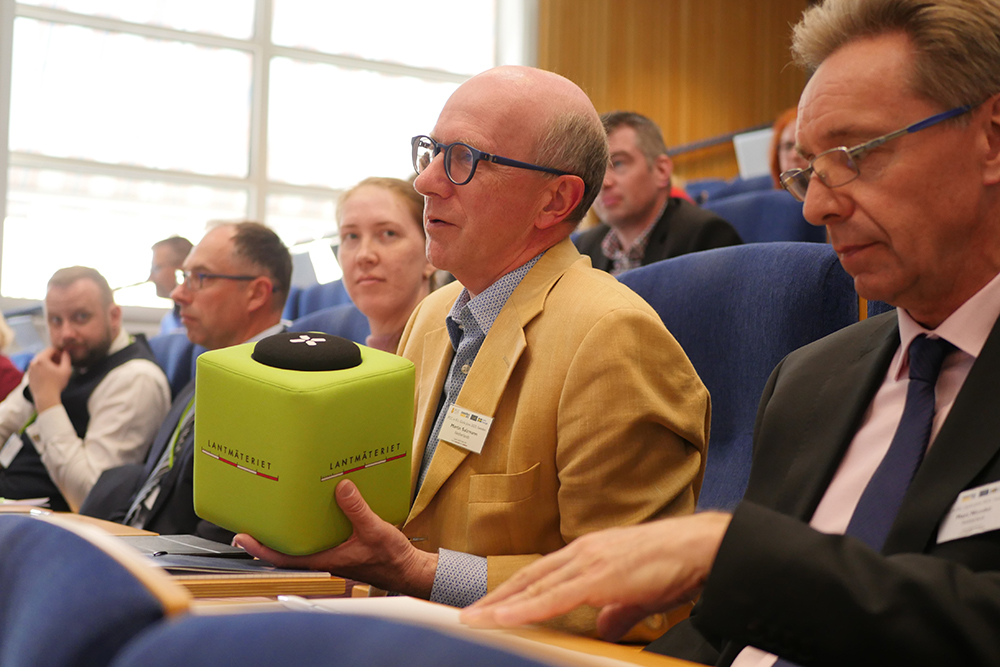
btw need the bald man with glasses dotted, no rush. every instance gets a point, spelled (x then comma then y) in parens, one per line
(231, 290)
(868, 534)
(585, 412)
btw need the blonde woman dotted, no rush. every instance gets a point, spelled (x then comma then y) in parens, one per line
(386, 272)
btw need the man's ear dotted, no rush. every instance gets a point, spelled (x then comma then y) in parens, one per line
(115, 317)
(260, 291)
(663, 169)
(563, 195)
(991, 166)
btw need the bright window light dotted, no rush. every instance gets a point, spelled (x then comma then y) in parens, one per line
(301, 219)
(332, 127)
(449, 35)
(135, 120)
(125, 99)
(99, 221)
(229, 18)
(324, 262)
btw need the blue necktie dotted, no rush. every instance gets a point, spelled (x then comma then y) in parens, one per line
(882, 498)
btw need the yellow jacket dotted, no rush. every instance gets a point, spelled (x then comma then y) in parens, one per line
(599, 419)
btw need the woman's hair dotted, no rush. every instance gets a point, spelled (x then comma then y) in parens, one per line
(411, 199)
(784, 120)
(404, 192)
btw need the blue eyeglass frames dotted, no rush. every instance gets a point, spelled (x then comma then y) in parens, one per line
(839, 166)
(460, 160)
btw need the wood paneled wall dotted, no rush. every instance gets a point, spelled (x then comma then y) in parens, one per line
(699, 68)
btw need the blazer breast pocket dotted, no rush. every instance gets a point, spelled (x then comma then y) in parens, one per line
(501, 511)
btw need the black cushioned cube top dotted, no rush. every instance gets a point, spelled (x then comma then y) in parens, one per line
(298, 351)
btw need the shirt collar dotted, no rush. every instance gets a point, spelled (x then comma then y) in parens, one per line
(612, 241)
(270, 331)
(121, 341)
(482, 310)
(967, 328)
(613, 247)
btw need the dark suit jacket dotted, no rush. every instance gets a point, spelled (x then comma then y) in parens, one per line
(682, 228)
(173, 511)
(829, 599)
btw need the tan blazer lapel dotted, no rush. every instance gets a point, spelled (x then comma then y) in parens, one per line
(434, 363)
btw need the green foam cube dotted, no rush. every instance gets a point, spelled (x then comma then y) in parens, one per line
(271, 445)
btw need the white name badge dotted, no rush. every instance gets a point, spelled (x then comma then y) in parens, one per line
(465, 428)
(10, 450)
(975, 511)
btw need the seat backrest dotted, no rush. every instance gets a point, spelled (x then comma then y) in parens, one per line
(22, 359)
(305, 300)
(345, 321)
(708, 189)
(879, 307)
(767, 215)
(307, 639)
(291, 308)
(177, 356)
(27, 340)
(737, 312)
(71, 595)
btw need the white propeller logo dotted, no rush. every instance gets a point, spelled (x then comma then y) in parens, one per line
(308, 340)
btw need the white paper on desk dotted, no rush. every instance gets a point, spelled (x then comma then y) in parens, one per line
(398, 608)
(421, 612)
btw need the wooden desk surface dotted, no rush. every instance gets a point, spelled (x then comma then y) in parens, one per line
(109, 527)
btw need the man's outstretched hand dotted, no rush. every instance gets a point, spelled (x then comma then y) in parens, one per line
(376, 553)
(629, 573)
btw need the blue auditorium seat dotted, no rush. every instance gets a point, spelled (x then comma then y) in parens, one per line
(879, 307)
(306, 639)
(22, 359)
(737, 312)
(767, 215)
(304, 300)
(67, 602)
(707, 189)
(177, 356)
(345, 321)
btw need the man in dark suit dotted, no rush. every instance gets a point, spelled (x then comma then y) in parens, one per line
(641, 222)
(234, 287)
(869, 532)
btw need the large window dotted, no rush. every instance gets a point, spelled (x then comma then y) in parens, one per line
(133, 120)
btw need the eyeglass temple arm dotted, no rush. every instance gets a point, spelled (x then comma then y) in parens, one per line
(916, 127)
(957, 111)
(507, 162)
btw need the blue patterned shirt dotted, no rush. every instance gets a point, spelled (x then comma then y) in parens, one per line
(460, 578)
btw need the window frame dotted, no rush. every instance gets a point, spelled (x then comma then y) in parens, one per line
(516, 43)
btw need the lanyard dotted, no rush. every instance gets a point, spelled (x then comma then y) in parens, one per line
(185, 419)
